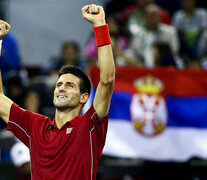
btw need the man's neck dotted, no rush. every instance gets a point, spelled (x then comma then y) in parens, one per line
(61, 117)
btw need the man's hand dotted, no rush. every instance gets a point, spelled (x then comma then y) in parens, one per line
(4, 29)
(94, 14)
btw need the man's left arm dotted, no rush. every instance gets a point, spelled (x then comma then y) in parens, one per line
(95, 15)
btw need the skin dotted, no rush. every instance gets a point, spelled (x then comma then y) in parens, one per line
(67, 97)
(153, 17)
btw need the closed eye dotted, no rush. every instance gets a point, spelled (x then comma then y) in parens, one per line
(58, 84)
(70, 84)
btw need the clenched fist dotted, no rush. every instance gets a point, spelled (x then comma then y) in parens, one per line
(4, 29)
(94, 14)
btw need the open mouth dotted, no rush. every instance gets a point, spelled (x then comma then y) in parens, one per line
(62, 96)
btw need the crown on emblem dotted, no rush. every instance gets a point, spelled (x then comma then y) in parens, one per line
(149, 85)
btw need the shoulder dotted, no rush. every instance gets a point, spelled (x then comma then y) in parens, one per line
(90, 113)
(17, 111)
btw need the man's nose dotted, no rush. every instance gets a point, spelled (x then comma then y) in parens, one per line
(62, 88)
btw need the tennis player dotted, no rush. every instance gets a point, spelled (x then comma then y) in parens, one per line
(69, 146)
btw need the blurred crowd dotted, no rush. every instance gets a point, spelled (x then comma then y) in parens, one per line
(144, 33)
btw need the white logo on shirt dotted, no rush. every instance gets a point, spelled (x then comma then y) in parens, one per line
(68, 130)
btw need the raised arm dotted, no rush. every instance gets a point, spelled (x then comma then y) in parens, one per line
(96, 16)
(5, 103)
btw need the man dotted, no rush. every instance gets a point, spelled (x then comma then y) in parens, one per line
(137, 14)
(155, 31)
(190, 22)
(21, 160)
(70, 146)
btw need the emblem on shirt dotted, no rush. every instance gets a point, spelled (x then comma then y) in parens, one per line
(68, 130)
(148, 107)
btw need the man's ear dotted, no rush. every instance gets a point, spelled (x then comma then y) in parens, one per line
(84, 98)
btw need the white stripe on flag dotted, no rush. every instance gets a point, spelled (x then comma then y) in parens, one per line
(174, 144)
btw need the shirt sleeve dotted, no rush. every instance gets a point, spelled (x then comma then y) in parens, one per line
(20, 122)
(98, 129)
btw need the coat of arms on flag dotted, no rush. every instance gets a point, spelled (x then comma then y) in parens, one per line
(148, 107)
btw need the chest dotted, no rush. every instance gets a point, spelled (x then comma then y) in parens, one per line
(68, 141)
(193, 23)
(60, 151)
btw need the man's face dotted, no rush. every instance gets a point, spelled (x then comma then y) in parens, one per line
(153, 17)
(67, 92)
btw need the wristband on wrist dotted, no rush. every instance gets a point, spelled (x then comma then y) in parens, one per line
(102, 35)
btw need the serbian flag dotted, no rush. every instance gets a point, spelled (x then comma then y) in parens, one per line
(157, 114)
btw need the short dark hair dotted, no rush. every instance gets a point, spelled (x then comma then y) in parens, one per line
(85, 84)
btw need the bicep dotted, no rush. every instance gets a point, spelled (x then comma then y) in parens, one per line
(102, 99)
(5, 106)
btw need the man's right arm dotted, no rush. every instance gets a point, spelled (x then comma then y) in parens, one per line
(5, 102)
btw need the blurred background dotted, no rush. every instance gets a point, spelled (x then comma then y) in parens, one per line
(158, 116)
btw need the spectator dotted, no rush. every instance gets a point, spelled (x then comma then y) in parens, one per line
(70, 55)
(14, 86)
(21, 158)
(190, 22)
(164, 57)
(137, 15)
(154, 31)
(32, 100)
(10, 56)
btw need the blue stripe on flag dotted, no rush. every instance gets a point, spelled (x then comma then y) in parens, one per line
(182, 111)
(187, 112)
(120, 106)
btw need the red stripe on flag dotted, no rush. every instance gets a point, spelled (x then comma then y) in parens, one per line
(176, 82)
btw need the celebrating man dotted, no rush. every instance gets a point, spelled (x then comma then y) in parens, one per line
(68, 147)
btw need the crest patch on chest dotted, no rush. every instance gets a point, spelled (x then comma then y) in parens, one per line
(68, 130)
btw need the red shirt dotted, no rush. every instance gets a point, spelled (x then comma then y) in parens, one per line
(69, 153)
